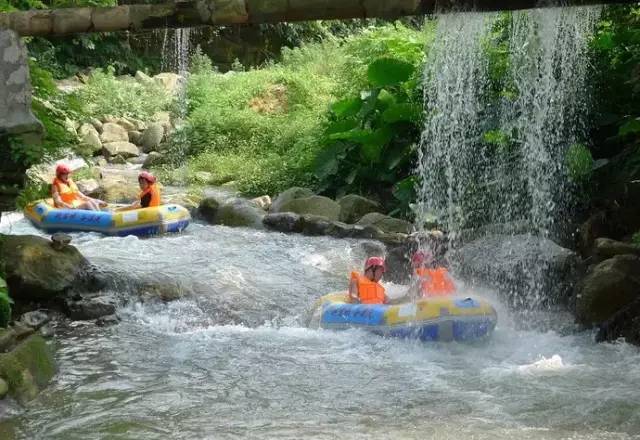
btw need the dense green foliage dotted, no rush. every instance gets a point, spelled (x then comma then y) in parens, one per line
(265, 128)
(5, 304)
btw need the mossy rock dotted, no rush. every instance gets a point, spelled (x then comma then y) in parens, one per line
(36, 271)
(353, 207)
(386, 223)
(287, 196)
(28, 368)
(315, 206)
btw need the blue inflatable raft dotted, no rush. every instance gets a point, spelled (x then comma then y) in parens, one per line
(428, 319)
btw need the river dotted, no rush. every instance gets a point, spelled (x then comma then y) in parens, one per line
(232, 358)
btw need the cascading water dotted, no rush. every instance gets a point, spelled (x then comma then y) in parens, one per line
(490, 165)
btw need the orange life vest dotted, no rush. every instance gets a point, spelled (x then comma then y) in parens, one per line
(435, 282)
(370, 292)
(155, 195)
(68, 191)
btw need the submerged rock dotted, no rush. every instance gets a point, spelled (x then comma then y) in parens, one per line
(262, 202)
(238, 212)
(605, 248)
(623, 324)
(288, 195)
(35, 319)
(283, 222)
(208, 209)
(609, 287)
(527, 269)
(36, 271)
(84, 309)
(354, 207)
(28, 368)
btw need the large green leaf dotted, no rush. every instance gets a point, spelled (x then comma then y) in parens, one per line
(388, 72)
(375, 142)
(328, 160)
(356, 135)
(402, 112)
(346, 107)
(630, 127)
(398, 155)
(341, 126)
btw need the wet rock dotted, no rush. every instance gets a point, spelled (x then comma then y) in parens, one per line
(36, 271)
(314, 205)
(288, 195)
(7, 339)
(208, 209)
(90, 308)
(152, 137)
(92, 141)
(528, 270)
(609, 287)
(354, 207)
(596, 226)
(386, 223)
(28, 368)
(315, 225)
(623, 324)
(35, 319)
(47, 331)
(263, 202)
(107, 320)
(123, 149)
(283, 222)
(238, 212)
(60, 240)
(605, 248)
(112, 132)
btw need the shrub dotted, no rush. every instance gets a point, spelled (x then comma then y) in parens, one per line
(104, 94)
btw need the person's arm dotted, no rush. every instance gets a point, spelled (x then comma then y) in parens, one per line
(58, 200)
(86, 198)
(353, 291)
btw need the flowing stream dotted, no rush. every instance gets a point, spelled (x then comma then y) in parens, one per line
(233, 359)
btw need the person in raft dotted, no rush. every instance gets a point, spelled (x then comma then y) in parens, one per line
(149, 191)
(66, 194)
(430, 280)
(366, 288)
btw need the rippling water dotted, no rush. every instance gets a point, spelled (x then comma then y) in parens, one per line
(232, 360)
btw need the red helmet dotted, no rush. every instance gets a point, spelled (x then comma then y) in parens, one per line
(373, 262)
(421, 257)
(146, 175)
(62, 169)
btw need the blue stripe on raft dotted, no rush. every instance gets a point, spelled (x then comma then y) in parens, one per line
(79, 217)
(141, 231)
(465, 331)
(361, 314)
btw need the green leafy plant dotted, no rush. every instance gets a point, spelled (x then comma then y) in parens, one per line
(579, 163)
(636, 238)
(5, 304)
(370, 140)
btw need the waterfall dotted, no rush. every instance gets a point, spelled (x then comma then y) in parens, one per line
(469, 182)
(495, 163)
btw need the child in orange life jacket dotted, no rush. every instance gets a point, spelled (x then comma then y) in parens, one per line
(366, 288)
(430, 280)
(66, 194)
(150, 194)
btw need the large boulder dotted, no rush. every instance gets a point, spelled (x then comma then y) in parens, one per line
(122, 149)
(283, 222)
(112, 132)
(91, 139)
(152, 137)
(605, 248)
(28, 368)
(528, 270)
(119, 185)
(314, 205)
(287, 196)
(238, 212)
(609, 287)
(34, 270)
(354, 207)
(386, 223)
(153, 159)
(623, 324)
(208, 209)
(90, 187)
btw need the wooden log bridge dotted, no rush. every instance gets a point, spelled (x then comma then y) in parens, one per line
(58, 22)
